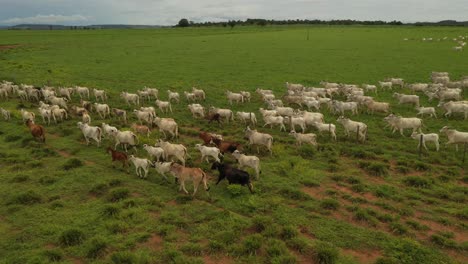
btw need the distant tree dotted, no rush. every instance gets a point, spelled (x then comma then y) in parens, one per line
(262, 22)
(183, 23)
(224, 24)
(232, 23)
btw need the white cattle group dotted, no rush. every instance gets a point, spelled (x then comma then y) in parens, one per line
(300, 106)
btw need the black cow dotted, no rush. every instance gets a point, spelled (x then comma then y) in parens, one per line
(233, 175)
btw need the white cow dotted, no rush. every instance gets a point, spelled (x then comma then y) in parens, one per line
(206, 152)
(407, 99)
(259, 139)
(385, 85)
(199, 93)
(423, 138)
(330, 128)
(167, 125)
(90, 132)
(139, 163)
(224, 113)
(100, 94)
(82, 91)
(353, 127)
(108, 130)
(177, 151)
(247, 117)
(309, 138)
(455, 107)
(454, 136)
(66, 92)
(143, 116)
(163, 168)
(426, 110)
(173, 96)
(102, 110)
(125, 138)
(197, 110)
(149, 109)
(247, 161)
(60, 101)
(130, 98)
(341, 107)
(27, 115)
(46, 114)
(154, 152)
(5, 113)
(236, 97)
(164, 106)
(402, 123)
(274, 120)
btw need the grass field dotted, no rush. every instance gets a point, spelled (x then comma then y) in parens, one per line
(346, 202)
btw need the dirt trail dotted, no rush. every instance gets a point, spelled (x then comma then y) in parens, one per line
(11, 46)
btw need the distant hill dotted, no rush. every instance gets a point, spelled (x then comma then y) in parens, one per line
(443, 23)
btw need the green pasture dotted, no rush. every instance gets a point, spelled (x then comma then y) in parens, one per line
(343, 202)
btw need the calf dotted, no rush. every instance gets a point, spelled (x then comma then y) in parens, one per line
(118, 156)
(209, 152)
(186, 174)
(309, 138)
(139, 163)
(37, 131)
(154, 152)
(433, 137)
(248, 161)
(233, 175)
(92, 132)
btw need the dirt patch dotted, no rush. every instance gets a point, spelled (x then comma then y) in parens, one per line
(314, 192)
(63, 153)
(216, 259)
(155, 243)
(6, 47)
(369, 256)
(87, 162)
(172, 202)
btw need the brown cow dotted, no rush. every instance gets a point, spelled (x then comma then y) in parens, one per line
(37, 131)
(226, 146)
(141, 129)
(186, 174)
(118, 156)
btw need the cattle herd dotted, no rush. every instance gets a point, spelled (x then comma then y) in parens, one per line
(170, 158)
(459, 41)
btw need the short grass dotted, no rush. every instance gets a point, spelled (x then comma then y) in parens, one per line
(342, 203)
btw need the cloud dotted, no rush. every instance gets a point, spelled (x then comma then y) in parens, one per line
(46, 19)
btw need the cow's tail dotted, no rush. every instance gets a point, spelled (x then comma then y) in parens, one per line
(204, 180)
(136, 139)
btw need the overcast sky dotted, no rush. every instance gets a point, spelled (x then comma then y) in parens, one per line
(168, 12)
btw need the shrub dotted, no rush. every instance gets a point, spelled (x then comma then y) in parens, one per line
(398, 228)
(72, 164)
(118, 194)
(110, 211)
(385, 191)
(235, 189)
(329, 204)
(47, 180)
(71, 237)
(12, 138)
(462, 214)
(353, 180)
(442, 241)
(337, 178)
(275, 248)
(123, 257)
(20, 178)
(375, 168)
(53, 255)
(363, 215)
(252, 243)
(359, 188)
(421, 166)
(284, 260)
(99, 189)
(402, 169)
(193, 249)
(115, 182)
(325, 253)
(309, 183)
(96, 248)
(260, 223)
(214, 246)
(27, 198)
(288, 232)
(415, 225)
(164, 230)
(298, 243)
(415, 181)
(292, 193)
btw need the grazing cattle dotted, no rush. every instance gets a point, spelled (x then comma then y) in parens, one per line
(108, 130)
(149, 109)
(154, 152)
(407, 99)
(139, 163)
(152, 91)
(274, 120)
(247, 161)
(59, 113)
(214, 117)
(370, 87)
(125, 138)
(453, 94)
(311, 117)
(377, 106)
(45, 113)
(397, 81)
(37, 131)
(130, 98)
(330, 128)
(432, 137)
(163, 168)
(141, 129)
(454, 136)
(247, 117)
(267, 112)
(164, 106)
(87, 105)
(144, 94)
(426, 110)
(309, 138)
(102, 110)
(225, 113)
(5, 113)
(119, 113)
(341, 107)
(294, 121)
(92, 132)
(173, 96)
(60, 101)
(208, 137)
(143, 116)
(385, 85)
(199, 93)
(418, 87)
(100, 94)
(401, 123)
(245, 95)
(82, 91)
(225, 146)
(190, 97)
(206, 152)
(167, 125)
(455, 107)
(66, 92)
(86, 118)
(197, 110)
(353, 126)
(118, 156)
(259, 139)
(27, 115)
(236, 97)
(173, 150)
(184, 174)
(284, 111)
(312, 103)
(233, 175)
